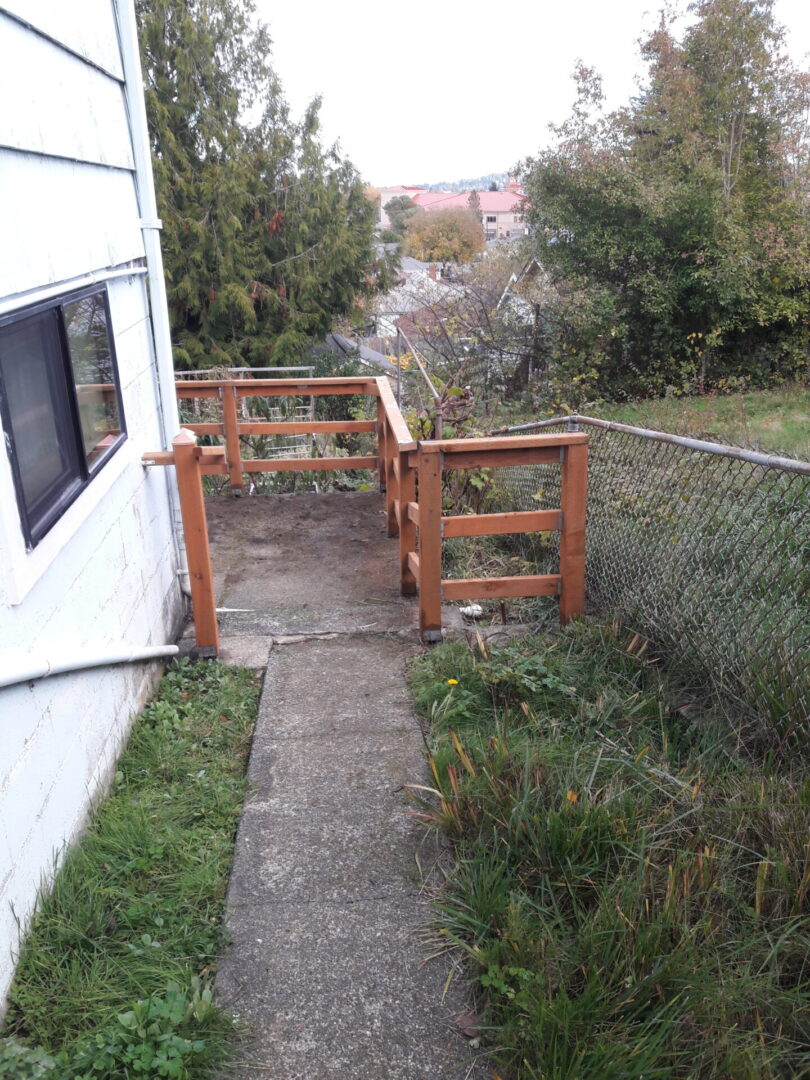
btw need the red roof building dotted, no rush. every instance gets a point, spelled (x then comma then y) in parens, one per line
(501, 211)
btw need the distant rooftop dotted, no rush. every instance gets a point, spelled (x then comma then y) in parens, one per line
(489, 201)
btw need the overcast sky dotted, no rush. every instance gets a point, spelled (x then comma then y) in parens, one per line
(431, 91)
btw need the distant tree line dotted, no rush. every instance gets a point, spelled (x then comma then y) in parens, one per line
(267, 233)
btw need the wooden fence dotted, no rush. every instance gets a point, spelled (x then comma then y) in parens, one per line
(410, 474)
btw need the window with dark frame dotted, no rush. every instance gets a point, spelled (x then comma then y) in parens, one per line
(60, 402)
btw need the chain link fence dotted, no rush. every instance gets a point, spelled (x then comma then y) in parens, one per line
(703, 549)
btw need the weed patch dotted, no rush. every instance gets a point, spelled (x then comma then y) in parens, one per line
(115, 971)
(631, 889)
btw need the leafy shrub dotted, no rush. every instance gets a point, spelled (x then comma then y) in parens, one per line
(156, 1037)
(18, 1062)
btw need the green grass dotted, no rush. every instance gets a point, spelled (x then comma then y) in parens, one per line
(115, 971)
(631, 888)
(772, 421)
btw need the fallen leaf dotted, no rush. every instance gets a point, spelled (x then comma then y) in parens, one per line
(469, 1024)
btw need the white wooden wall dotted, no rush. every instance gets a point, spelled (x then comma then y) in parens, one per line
(107, 575)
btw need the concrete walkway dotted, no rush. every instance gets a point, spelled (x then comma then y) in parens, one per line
(328, 903)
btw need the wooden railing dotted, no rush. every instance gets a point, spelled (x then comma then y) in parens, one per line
(231, 428)
(433, 459)
(410, 475)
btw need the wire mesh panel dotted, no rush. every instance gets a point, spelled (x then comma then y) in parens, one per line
(258, 408)
(708, 556)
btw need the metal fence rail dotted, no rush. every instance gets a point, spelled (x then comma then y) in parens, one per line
(704, 549)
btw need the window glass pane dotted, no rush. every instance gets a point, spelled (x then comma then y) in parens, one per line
(39, 412)
(92, 362)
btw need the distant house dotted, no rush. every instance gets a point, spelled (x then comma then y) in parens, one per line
(524, 291)
(90, 558)
(420, 285)
(501, 211)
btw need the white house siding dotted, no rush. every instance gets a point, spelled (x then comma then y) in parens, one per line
(86, 27)
(105, 577)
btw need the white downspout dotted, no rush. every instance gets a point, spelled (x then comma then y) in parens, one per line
(43, 668)
(151, 225)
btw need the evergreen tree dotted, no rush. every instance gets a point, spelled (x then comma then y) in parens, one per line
(400, 210)
(267, 235)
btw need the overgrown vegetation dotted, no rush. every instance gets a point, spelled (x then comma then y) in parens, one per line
(114, 978)
(631, 886)
(773, 421)
(675, 229)
(669, 238)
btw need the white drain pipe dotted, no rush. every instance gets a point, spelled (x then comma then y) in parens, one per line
(41, 669)
(150, 227)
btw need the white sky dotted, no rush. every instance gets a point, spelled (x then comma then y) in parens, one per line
(424, 92)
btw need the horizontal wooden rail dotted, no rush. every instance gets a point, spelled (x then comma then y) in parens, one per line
(214, 388)
(481, 588)
(498, 459)
(206, 429)
(306, 427)
(206, 455)
(307, 464)
(500, 442)
(494, 524)
(399, 429)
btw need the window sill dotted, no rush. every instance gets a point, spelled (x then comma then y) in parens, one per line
(24, 568)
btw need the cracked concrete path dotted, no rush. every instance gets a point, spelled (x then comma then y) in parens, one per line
(328, 911)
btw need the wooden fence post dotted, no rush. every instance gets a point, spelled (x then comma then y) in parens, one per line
(195, 530)
(407, 528)
(382, 433)
(573, 502)
(232, 448)
(391, 483)
(430, 543)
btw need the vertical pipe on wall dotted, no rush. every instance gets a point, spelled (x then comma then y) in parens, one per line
(150, 226)
(150, 222)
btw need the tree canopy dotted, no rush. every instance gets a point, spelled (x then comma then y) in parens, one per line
(400, 209)
(445, 236)
(267, 233)
(676, 228)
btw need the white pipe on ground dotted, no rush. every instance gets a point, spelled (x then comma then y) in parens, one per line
(43, 668)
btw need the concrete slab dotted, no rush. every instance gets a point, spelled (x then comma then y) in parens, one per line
(298, 854)
(328, 909)
(334, 991)
(328, 685)
(306, 563)
(249, 652)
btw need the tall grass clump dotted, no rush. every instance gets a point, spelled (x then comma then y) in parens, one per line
(631, 887)
(114, 977)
